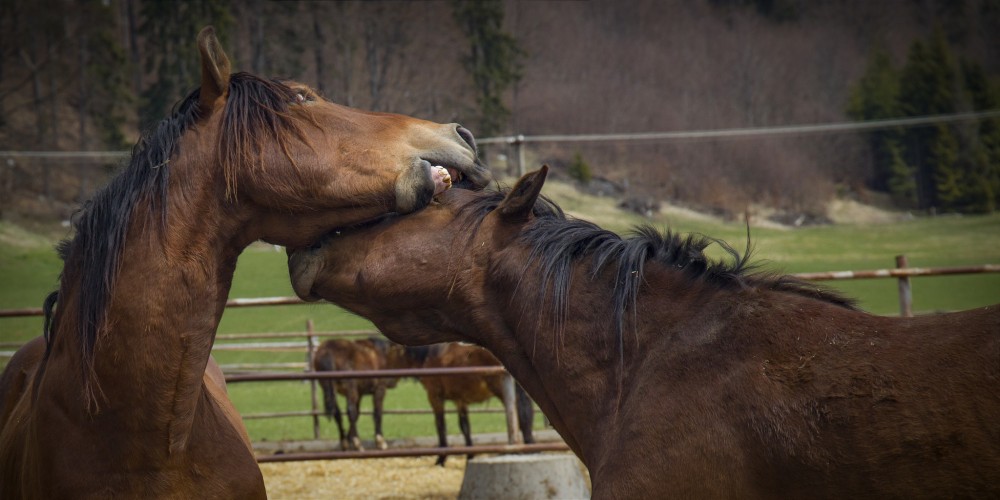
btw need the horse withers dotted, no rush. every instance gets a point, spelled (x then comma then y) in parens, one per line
(674, 376)
(121, 398)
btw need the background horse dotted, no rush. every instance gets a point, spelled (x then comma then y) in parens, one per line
(462, 390)
(674, 376)
(121, 398)
(349, 355)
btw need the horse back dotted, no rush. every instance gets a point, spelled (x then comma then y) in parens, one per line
(794, 399)
(348, 355)
(849, 401)
(901, 406)
(467, 389)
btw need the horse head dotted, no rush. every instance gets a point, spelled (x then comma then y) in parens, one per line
(297, 165)
(420, 277)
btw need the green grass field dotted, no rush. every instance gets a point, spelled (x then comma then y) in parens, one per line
(29, 269)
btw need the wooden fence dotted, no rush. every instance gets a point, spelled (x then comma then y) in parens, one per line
(901, 272)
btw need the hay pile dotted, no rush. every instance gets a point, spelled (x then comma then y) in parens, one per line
(388, 478)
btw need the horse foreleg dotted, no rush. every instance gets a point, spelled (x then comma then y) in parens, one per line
(377, 397)
(438, 406)
(463, 423)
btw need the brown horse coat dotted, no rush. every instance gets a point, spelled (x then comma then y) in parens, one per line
(671, 376)
(350, 355)
(463, 390)
(122, 399)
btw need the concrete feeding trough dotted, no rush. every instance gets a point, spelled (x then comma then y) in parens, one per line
(524, 477)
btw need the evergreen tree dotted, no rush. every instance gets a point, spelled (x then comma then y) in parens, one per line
(876, 97)
(104, 91)
(952, 167)
(949, 179)
(171, 53)
(927, 88)
(579, 169)
(984, 155)
(901, 181)
(494, 59)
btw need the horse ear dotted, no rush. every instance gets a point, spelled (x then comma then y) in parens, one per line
(214, 70)
(517, 205)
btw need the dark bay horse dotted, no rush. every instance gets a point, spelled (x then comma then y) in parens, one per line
(674, 376)
(463, 390)
(121, 399)
(349, 355)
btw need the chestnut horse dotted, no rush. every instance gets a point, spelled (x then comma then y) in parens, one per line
(121, 398)
(674, 376)
(350, 355)
(462, 390)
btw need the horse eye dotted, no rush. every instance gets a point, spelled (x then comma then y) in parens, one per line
(302, 95)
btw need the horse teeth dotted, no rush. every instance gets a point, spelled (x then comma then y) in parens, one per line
(441, 178)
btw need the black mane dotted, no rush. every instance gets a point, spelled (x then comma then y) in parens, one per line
(558, 242)
(254, 106)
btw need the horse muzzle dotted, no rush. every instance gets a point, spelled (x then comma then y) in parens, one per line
(304, 265)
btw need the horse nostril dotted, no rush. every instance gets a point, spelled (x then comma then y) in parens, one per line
(466, 136)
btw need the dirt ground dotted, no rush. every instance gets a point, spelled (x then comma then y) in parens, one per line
(389, 478)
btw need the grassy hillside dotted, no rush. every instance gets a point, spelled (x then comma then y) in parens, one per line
(30, 269)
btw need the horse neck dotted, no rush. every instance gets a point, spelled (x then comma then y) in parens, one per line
(578, 377)
(562, 375)
(163, 310)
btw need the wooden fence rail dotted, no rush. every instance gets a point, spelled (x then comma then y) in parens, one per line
(902, 272)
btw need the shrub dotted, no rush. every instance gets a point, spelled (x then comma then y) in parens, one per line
(579, 169)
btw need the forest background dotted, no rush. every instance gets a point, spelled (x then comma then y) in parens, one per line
(89, 75)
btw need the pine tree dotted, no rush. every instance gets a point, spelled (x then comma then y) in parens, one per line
(949, 179)
(579, 169)
(876, 97)
(104, 93)
(927, 88)
(494, 59)
(984, 161)
(901, 181)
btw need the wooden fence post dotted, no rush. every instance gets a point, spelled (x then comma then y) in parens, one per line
(310, 349)
(905, 293)
(510, 408)
(517, 142)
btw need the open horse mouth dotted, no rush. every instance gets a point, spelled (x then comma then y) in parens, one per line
(456, 175)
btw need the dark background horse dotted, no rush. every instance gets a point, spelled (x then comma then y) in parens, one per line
(672, 375)
(462, 390)
(350, 355)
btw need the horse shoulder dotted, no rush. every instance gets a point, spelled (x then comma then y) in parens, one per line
(14, 414)
(221, 451)
(18, 374)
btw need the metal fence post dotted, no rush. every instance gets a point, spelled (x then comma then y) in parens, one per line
(310, 349)
(905, 293)
(510, 408)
